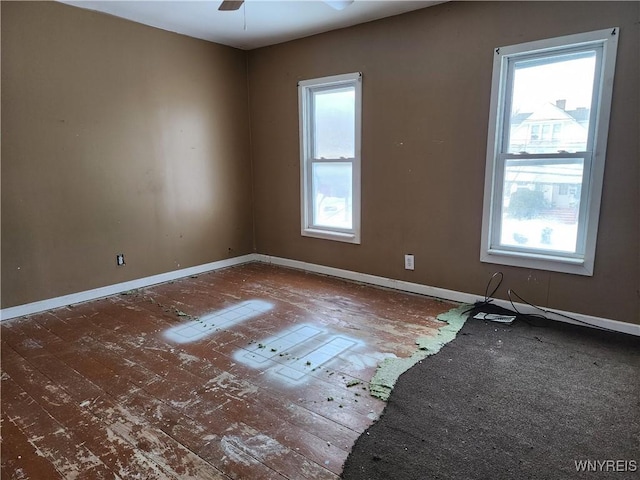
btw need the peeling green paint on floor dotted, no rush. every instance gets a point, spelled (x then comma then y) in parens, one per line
(391, 368)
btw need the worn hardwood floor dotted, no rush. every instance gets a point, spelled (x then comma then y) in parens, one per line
(253, 372)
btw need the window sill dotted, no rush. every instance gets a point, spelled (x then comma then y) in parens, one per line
(329, 235)
(576, 266)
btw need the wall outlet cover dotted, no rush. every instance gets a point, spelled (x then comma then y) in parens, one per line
(409, 262)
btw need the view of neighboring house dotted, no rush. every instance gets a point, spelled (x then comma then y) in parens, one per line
(548, 129)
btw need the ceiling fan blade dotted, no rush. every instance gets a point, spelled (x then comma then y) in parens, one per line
(229, 5)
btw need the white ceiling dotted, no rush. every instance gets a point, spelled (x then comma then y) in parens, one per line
(258, 23)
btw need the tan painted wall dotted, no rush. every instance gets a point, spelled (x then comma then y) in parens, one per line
(426, 88)
(122, 138)
(116, 137)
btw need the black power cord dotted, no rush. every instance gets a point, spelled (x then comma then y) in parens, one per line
(487, 306)
(488, 297)
(551, 312)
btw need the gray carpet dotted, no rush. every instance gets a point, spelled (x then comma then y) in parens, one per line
(524, 401)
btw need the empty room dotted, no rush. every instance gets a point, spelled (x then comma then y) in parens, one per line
(320, 239)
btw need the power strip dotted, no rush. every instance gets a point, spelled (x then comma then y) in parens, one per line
(495, 317)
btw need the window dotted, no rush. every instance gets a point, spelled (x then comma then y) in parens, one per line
(548, 125)
(330, 119)
(535, 132)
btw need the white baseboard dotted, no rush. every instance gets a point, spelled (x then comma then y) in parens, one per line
(371, 279)
(94, 294)
(452, 295)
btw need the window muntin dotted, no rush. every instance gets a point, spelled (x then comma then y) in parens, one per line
(545, 156)
(330, 157)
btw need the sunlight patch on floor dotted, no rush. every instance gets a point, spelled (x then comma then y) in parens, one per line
(293, 354)
(209, 324)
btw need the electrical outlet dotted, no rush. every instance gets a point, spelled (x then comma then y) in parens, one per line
(120, 259)
(409, 262)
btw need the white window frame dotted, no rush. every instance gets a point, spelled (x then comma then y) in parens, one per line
(582, 262)
(306, 88)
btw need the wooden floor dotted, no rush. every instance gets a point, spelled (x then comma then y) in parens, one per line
(250, 372)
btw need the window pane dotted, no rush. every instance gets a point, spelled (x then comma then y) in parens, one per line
(551, 103)
(334, 123)
(332, 198)
(540, 204)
